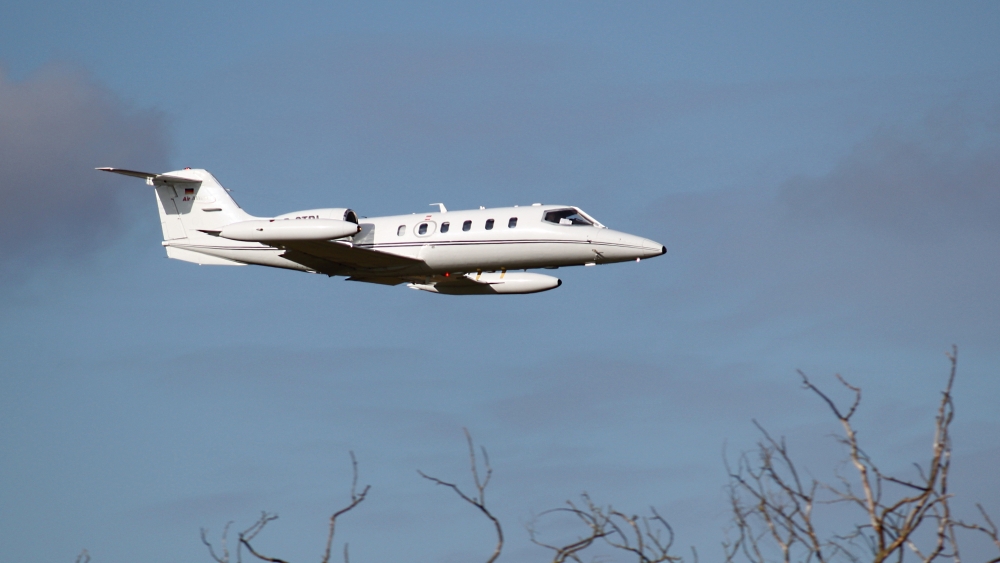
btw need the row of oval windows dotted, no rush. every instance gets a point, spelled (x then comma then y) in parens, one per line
(427, 228)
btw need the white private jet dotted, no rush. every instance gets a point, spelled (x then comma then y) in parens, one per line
(452, 252)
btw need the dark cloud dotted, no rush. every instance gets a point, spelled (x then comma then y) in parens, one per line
(55, 128)
(921, 182)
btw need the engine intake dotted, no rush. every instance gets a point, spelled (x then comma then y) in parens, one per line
(338, 213)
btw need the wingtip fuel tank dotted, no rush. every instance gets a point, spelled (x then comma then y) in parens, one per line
(492, 283)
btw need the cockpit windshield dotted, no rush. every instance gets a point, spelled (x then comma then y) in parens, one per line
(567, 217)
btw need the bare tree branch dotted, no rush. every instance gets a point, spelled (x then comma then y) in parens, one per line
(569, 551)
(479, 499)
(989, 529)
(246, 536)
(251, 532)
(770, 501)
(356, 499)
(774, 506)
(648, 538)
(224, 558)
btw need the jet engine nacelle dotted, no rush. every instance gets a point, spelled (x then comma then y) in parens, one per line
(338, 213)
(493, 284)
(273, 230)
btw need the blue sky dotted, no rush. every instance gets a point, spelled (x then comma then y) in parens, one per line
(825, 178)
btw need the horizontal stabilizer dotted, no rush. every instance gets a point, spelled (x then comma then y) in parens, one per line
(151, 177)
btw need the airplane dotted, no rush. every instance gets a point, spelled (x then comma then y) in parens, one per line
(470, 252)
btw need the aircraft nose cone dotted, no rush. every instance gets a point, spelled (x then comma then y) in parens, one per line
(653, 248)
(624, 246)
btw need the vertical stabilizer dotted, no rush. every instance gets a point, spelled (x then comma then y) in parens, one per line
(193, 201)
(193, 208)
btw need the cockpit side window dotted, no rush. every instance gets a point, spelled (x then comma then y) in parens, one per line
(566, 217)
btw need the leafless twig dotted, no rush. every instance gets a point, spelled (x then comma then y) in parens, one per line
(251, 532)
(648, 538)
(479, 499)
(770, 502)
(224, 558)
(356, 499)
(989, 529)
(246, 536)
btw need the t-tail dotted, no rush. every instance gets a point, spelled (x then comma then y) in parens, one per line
(193, 208)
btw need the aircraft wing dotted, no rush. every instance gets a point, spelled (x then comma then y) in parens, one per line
(344, 259)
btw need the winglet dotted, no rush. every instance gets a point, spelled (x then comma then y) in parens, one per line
(440, 206)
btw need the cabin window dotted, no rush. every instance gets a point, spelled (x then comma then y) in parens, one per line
(445, 227)
(489, 224)
(422, 229)
(401, 230)
(566, 217)
(466, 225)
(512, 223)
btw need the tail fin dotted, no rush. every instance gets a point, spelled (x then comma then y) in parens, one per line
(190, 202)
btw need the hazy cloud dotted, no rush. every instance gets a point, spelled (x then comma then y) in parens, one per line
(893, 245)
(217, 506)
(55, 128)
(921, 182)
